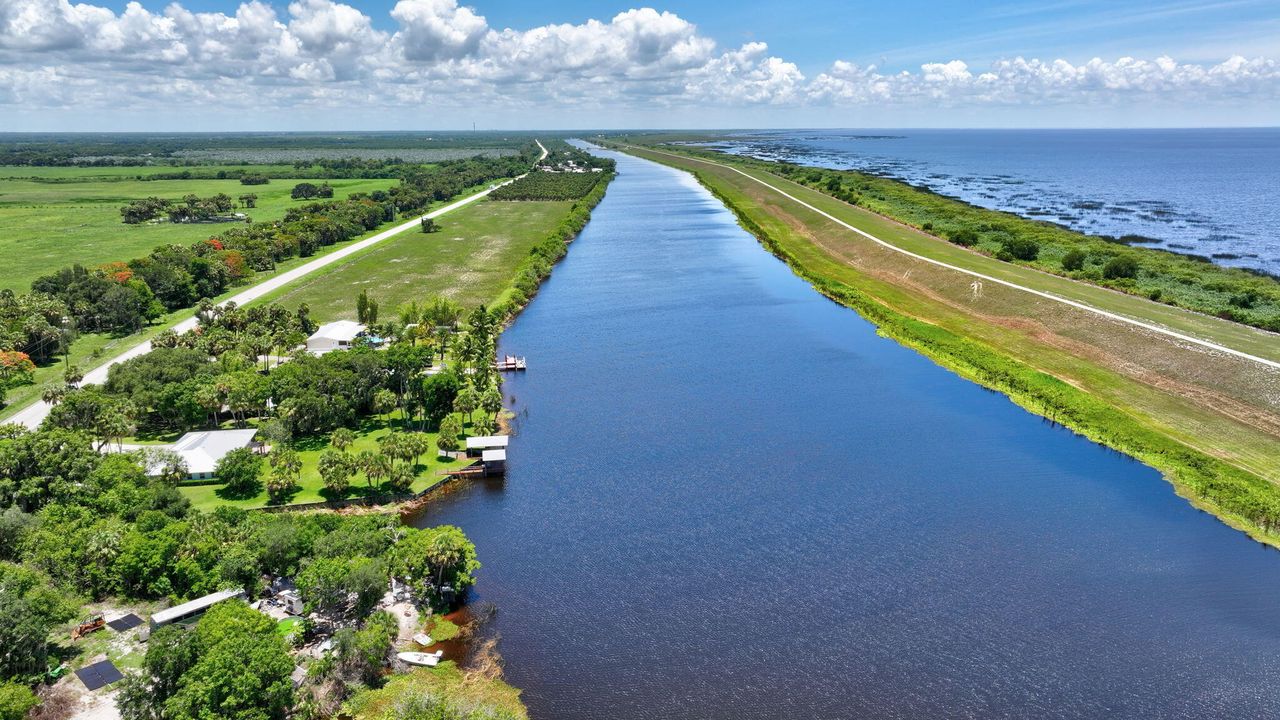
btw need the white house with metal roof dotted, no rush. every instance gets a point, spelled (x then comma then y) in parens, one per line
(337, 335)
(202, 450)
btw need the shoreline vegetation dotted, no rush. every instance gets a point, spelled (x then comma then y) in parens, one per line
(1244, 500)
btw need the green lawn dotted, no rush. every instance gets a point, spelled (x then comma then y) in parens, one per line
(311, 487)
(51, 225)
(472, 260)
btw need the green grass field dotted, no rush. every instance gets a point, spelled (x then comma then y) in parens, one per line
(72, 174)
(50, 225)
(472, 260)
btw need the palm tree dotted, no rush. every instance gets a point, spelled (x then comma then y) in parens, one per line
(450, 428)
(73, 376)
(442, 341)
(466, 402)
(491, 401)
(342, 438)
(53, 394)
(384, 401)
(335, 469)
(401, 478)
(410, 313)
(418, 444)
(376, 466)
(209, 397)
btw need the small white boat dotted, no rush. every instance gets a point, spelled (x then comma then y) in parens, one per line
(421, 658)
(423, 639)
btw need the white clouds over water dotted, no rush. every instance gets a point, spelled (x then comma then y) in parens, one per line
(60, 59)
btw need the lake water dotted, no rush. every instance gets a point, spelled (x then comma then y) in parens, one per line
(1209, 192)
(728, 498)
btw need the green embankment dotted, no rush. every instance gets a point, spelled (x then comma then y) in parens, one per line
(1224, 332)
(1242, 499)
(52, 225)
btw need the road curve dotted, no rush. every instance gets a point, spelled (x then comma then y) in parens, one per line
(35, 413)
(973, 273)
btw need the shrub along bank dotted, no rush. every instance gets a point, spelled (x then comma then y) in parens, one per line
(1240, 498)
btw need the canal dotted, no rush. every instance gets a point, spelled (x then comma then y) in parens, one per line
(727, 497)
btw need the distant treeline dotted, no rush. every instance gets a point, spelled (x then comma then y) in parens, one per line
(249, 174)
(122, 297)
(114, 149)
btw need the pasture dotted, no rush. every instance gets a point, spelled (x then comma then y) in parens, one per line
(72, 215)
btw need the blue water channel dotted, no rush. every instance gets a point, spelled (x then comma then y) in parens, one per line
(727, 497)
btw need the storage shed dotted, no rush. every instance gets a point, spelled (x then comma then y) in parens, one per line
(192, 608)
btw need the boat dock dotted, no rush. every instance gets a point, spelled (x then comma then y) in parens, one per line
(509, 363)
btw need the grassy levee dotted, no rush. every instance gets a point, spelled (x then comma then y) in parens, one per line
(1217, 448)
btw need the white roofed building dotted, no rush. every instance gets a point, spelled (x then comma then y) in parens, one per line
(202, 450)
(337, 335)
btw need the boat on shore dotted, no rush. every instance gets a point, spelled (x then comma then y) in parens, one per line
(421, 658)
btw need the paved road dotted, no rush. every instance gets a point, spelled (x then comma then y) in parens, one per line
(973, 273)
(32, 415)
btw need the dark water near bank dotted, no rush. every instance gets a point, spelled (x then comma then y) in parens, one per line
(1208, 192)
(728, 498)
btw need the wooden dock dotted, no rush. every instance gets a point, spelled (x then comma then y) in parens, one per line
(477, 470)
(510, 363)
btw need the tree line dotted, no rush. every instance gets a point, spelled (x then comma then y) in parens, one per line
(191, 208)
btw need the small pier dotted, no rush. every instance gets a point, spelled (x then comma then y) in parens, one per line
(510, 363)
(492, 466)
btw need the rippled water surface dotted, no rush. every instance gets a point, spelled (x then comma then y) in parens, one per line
(1210, 192)
(728, 498)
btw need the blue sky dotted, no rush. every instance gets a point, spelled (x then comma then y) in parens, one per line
(905, 33)
(684, 63)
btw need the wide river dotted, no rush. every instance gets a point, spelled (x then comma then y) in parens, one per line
(729, 498)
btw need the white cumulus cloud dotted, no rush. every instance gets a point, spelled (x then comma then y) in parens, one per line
(323, 53)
